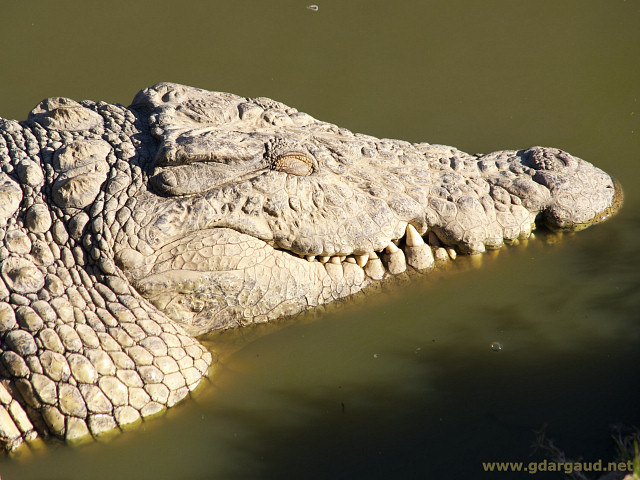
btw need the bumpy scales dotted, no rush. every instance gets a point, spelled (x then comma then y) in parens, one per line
(126, 232)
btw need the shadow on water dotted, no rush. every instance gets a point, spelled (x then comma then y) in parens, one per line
(466, 412)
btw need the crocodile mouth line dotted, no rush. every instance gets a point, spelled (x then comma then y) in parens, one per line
(411, 251)
(219, 277)
(214, 276)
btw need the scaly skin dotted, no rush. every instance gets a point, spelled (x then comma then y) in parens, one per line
(126, 232)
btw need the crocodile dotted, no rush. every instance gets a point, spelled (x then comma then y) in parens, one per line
(127, 232)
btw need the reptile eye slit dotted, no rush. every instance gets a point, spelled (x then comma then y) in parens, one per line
(297, 163)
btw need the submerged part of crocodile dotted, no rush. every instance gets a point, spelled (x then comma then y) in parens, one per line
(127, 231)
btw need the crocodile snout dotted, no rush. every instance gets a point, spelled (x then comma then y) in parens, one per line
(581, 194)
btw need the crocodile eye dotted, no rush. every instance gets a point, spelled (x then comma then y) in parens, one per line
(297, 163)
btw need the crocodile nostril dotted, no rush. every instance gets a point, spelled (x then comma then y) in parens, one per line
(540, 158)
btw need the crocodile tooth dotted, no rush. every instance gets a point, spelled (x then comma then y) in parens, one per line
(374, 268)
(335, 260)
(420, 256)
(452, 253)
(361, 260)
(323, 258)
(413, 237)
(391, 248)
(441, 255)
(350, 259)
(394, 259)
(310, 258)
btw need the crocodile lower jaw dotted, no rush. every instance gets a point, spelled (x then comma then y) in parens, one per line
(219, 278)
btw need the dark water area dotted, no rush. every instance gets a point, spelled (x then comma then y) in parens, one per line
(404, 384)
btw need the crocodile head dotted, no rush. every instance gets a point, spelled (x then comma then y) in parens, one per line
(254, 210)
(221, 211)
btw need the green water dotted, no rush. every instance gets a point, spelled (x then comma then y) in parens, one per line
(404, 385)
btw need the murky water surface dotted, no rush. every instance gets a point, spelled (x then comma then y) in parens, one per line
(405, 384)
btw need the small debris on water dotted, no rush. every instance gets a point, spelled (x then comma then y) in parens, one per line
(496, 346)
(375, 355)
(312, 7)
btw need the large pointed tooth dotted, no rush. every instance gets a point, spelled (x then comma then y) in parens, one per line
(394, 259)
(420, 256)
(323, 259)
(413, 237)
(361, 260)
(452, 253)
(310, 258)
(374, 268)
